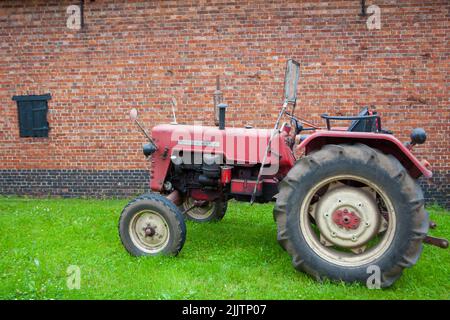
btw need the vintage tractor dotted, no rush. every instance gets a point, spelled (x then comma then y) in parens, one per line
(350, 201)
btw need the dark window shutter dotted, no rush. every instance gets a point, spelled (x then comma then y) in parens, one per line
(25, 119)
(40, 125)
(32, 112)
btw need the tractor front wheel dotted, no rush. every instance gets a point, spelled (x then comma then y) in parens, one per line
(347, 211)
(152, 225)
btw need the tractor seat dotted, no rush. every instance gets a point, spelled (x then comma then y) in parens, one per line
(364, 125)
(365, 121)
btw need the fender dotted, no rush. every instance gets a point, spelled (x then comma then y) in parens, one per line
(384, 142)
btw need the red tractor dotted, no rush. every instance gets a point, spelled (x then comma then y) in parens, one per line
(349, 202)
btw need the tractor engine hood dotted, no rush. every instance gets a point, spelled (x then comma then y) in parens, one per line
(238, 146)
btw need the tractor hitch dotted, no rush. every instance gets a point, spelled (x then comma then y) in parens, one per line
(435, 241)
(438, 242)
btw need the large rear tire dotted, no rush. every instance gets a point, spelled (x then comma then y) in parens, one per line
(346, 208)
(152, 225)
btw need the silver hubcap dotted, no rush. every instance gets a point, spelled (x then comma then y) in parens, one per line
(149, 231)
(351, 224)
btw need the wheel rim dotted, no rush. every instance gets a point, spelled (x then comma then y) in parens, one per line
(200, 213)
(149, 231)
(351, 224)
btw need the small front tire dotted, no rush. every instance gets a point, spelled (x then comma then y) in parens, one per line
(152, 225)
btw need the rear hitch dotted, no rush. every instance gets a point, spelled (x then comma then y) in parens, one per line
(435, 241)
(438, 242)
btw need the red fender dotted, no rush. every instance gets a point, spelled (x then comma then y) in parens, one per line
(386, 143)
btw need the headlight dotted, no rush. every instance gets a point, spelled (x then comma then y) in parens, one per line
(148, 149)
(418, 136)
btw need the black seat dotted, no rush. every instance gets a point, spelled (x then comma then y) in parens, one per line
(364, 125)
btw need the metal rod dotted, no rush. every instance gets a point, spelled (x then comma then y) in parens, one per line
(303, 121)
(196, 204)
(274, 132)
(174, 103)
(325, 116)
(145, 133)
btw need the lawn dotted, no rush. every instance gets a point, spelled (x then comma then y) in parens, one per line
(238, 258)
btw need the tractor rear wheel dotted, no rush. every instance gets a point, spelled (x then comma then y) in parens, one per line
(346, 211)
(205, 212)
(152, 225)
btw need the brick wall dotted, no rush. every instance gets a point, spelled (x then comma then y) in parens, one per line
(74, 182)
(140, 53)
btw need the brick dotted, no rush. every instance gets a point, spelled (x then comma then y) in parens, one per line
(140, 53)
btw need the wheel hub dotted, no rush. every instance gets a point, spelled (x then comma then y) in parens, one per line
(347, 216)
(149, 231)
(346, 219)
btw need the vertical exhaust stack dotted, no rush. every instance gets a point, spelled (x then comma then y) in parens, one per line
(218, 98)
(222, 108)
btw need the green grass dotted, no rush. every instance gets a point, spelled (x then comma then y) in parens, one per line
(238, 258)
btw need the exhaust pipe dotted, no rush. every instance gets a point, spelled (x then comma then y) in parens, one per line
(222, 108)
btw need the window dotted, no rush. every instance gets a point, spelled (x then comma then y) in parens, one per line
(32, 112)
